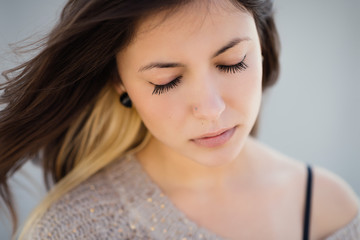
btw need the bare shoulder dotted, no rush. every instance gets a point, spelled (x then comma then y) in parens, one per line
(334, 203)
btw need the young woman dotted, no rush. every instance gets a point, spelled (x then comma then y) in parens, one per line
(143, 114)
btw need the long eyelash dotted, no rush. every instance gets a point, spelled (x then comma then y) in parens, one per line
(160, 89)
(241, 66)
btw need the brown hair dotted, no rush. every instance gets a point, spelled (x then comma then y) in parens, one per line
(44, 97)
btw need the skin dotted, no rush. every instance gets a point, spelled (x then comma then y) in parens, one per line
(222, 100)
(247, 179)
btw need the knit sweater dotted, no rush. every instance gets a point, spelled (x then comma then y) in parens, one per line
(122, 202)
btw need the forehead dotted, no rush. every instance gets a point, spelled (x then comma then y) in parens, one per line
(187, 33)
(190, 18)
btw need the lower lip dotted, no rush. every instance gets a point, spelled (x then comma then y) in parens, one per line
(216, 141)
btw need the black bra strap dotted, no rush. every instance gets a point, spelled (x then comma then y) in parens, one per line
(307, 204)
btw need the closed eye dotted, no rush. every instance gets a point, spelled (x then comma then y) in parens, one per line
(241, 66)
(160, 89)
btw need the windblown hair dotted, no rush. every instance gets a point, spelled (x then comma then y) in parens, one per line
(61, 106)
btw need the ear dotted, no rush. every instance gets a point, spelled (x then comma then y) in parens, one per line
(118, 85)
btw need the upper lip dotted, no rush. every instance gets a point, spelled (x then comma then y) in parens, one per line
(214, 134)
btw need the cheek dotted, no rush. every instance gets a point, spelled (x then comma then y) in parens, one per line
(245, 91)
(162, 115)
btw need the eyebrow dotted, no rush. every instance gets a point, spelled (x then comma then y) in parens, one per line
(160, 65)
(231, 44)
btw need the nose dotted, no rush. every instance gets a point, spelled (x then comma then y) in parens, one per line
(208, 103)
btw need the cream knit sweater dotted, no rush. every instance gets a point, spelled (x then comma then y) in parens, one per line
(121, 202)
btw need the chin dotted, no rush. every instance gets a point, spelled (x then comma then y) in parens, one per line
(219, 157)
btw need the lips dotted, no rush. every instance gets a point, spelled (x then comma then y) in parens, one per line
(214, 139)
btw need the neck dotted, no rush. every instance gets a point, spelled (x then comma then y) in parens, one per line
(173, 171)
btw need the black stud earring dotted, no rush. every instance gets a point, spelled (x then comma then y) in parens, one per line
(125, 100)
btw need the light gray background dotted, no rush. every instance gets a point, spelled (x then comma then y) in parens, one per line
(312, 114)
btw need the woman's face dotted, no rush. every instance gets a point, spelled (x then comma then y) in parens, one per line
(195, 77)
